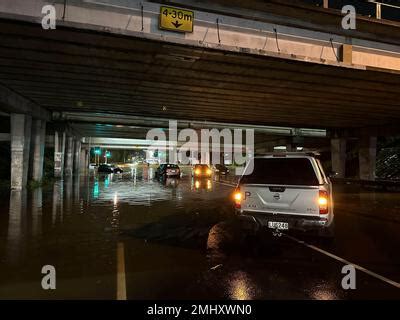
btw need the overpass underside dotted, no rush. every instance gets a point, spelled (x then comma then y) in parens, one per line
(76, 70)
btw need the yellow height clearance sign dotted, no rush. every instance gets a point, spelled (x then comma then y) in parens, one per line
(175, 19)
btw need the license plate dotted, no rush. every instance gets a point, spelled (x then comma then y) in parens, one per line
(278, 225)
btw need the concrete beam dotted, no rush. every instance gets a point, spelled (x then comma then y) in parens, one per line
(12, 102)
(236, 32)
(20, 145)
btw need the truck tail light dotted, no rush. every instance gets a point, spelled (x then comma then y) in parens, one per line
(323, 202)
(237, 197)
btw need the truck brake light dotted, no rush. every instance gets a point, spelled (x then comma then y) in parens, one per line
(323, 202)
(237, 197)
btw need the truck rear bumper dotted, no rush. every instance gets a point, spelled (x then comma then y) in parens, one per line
(295, 222)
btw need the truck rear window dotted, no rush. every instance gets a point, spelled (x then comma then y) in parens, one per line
(288, 171)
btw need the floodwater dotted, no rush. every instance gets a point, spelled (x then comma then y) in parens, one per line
(181, 240)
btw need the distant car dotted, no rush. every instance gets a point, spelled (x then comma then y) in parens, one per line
(287, 191)
(92, 166)
(109, 168)
(201, 171)
(169, 170)
(151, 161)
(221, 169)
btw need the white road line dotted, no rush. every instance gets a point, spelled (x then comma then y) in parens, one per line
(371, 273)
(121, 280)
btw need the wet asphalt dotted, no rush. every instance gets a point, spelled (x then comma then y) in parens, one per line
(181, 240)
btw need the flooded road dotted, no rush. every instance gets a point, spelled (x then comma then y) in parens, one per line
(178, 239)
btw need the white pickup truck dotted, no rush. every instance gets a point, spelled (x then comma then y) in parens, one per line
(286, 191)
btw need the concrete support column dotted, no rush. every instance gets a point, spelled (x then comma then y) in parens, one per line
(59, 151)
(77, 156)
(87, 159)
(82, 161)
(37, 145)
(20, 147)
(367, 157)
(338, 156)
(69, 156)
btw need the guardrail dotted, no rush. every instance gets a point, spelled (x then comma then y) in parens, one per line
(371, 8)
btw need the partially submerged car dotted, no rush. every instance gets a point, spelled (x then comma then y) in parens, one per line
(109, 168)
(169, 170)
(287, 191)
(201, 171)
(221, 169)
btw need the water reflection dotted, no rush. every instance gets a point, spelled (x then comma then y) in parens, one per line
(169, 182)
(115, 213)
(58, 202)
(68, 195)
(37, 204)
(96, 189)
(241, 287)
(201, 184)
(17, 222)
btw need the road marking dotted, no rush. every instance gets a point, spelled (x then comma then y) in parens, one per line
(121, 279)
(331, 255)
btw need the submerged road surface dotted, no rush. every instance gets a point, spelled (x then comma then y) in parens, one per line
(130, 236)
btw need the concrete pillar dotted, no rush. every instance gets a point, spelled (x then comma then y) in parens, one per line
(338, 156)
(69, 157)
(87, 161)
(37, 149)
(77, 156)
(20, 146)
(367, 157)
(82, 161)
(59, 150)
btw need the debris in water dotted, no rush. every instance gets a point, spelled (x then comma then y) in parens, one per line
(216, 267)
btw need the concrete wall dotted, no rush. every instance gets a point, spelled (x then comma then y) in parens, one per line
(232, 33)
